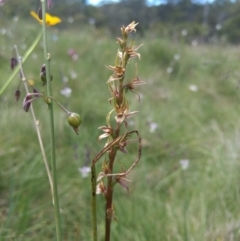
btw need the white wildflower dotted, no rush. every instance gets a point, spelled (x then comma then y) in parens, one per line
(153, 127)
(177, 57)
(85, 170)
(184, 32)
(184, 163)
(193, 88)
(169, 70)
(66, 91)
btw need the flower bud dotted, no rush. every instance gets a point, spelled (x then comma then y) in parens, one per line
(27, 102)
(40, 13)
(43, 74)
(17, 95)
(121, 42)
(74, 120)
(43, 78)
(43, 69)
(36, 92)
(13, 63)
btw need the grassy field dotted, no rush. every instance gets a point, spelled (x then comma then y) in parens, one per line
(186, 186)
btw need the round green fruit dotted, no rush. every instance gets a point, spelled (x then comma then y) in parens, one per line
(74, 120)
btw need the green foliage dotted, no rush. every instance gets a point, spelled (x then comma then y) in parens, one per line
(168, 19)
(231, 29)
(157, 53)
(165, 202)
(20, 8)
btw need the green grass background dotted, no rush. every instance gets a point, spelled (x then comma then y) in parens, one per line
(164, 202)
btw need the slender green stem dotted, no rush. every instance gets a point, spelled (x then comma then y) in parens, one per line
(61, 106)
(52, 135)
(36, 122)
(29, 51)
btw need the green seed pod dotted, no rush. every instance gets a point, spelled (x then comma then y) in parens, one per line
(43, 78)
(74, 120)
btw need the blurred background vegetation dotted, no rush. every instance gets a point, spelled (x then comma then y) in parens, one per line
(186, 186)
(205, 21)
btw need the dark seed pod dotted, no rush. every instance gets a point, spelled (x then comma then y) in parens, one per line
(43, 69)
(43, 74)
(44, 79)
(13, 63)
(17, 95)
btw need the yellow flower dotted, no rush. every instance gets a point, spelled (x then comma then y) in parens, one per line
(50, 20)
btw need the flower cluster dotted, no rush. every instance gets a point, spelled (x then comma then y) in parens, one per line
(116, 81)
(118, 86)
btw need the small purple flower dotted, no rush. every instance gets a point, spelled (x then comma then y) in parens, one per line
(27, 102)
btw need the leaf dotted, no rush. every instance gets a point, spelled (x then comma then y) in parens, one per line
(29, 51)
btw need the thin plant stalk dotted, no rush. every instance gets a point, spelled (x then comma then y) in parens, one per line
(16, 70)
(36, 123)
(52, 135)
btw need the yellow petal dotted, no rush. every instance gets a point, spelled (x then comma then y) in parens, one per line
(50, 20)
(34, 15)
